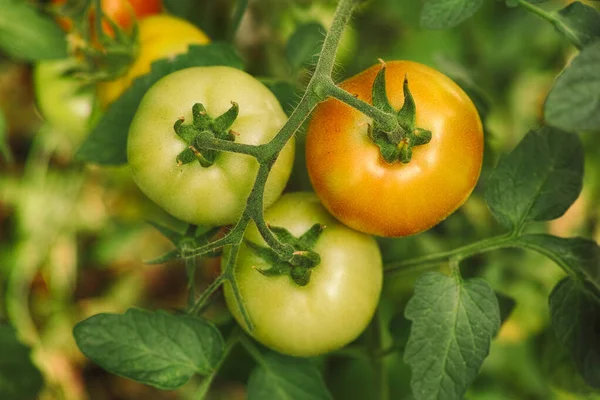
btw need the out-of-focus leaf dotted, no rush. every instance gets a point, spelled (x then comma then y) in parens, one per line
(4, 149)
(400, 328)
(304, 45)
(573, 103)
(286, 378)
(107, 143)
(19, 378)
(538, 180)
(453, 323)
(154, 348)
(581, 23)
(506, 305)
(443, 14)
(27, 34)
(285, 93)
(557, 365)
(578, 255)
(575, 316)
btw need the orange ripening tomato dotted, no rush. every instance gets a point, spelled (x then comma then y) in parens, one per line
(364, 192)
(122, 12)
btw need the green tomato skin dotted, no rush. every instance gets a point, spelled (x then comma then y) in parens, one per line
(62, 100)
(338, 302)
(215, 195)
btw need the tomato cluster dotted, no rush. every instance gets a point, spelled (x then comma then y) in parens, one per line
(296, 309)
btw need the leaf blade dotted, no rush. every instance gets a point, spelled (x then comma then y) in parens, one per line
(538, 180)
(154, 348)
(575, 317)
(453, 324)
(444, 14)
(286, 378)
(19, 378)
(573, 103)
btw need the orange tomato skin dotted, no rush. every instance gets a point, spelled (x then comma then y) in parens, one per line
(364, 192)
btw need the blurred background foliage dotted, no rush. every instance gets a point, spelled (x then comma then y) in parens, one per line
(73, 237)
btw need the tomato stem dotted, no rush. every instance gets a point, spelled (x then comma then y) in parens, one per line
(375, 340)
(423, 263)
(558, 24)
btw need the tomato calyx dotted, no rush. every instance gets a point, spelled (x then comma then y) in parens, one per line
(104, 49)
(396, 146)
(303, 260)
(202, 127)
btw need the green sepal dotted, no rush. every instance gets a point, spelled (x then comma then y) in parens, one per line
(200, 117)
(284, 236)
(389, 152)
(422, 136)
(310, 237)
(301, 276)
(185, 157)
(186, 132)
(224, 121)
(408, 113)
(266, 253)
(305, 259)
(276, 270)
(379, 94)
(405, 153)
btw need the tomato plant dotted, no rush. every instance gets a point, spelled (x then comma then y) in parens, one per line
(337, 303)
(63, 100)
(268, 294)
(160, 36)
(122, 12)
(367, 193)
(216, 194)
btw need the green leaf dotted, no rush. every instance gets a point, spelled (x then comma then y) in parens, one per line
(443, 14)
(575, 317)
(285, 93)
(538, 180)
(4, 148)
(107, 143)
(27, 34)
(581, 22)
(286, 378)
(453, 323)
(557, 366)
(400, 328)
(573, 103)
(154, 348)
(19, 378)
(506, 305)
(575, 255)
(304, 45)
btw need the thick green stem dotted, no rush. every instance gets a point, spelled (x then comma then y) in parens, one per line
(558, 24)
(426, 262)
(342, 15)
(375, 342)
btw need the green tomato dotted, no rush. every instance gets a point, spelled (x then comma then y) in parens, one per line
(63, 100)
(214, 195)
(337, 303)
